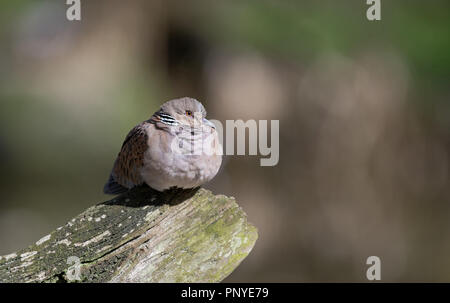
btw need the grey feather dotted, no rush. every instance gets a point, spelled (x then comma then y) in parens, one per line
(113, 188)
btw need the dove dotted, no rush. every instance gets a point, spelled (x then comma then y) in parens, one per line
(176, 148)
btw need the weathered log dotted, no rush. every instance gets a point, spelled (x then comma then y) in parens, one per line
(141, 236)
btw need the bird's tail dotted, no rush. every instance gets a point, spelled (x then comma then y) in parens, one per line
(113, 188)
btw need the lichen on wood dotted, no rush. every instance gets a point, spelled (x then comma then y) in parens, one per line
(141, 236)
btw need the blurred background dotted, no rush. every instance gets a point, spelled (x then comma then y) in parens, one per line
(364, 110)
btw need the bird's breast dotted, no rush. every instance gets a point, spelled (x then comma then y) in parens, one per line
(184, 159)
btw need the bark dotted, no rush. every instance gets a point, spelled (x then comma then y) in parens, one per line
(141, 236)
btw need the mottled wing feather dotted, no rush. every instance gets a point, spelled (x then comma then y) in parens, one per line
(126, 172)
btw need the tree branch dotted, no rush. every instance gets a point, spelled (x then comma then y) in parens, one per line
(141, 236)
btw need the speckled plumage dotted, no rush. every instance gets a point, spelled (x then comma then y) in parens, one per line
(171, 149)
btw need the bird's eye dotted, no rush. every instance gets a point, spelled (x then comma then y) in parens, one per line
(188, 113)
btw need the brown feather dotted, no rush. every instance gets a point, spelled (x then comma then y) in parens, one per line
(130, 160)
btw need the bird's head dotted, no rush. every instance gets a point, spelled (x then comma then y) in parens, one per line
(184, 111)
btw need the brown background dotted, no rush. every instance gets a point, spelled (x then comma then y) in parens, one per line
(363, 107)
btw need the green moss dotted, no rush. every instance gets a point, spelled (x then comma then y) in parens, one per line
(210, 237)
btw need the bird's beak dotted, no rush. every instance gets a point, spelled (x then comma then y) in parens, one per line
(209, 123)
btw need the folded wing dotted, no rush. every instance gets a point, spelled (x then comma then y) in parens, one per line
(126, 172)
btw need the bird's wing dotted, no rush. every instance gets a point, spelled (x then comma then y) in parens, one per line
(127, 167)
